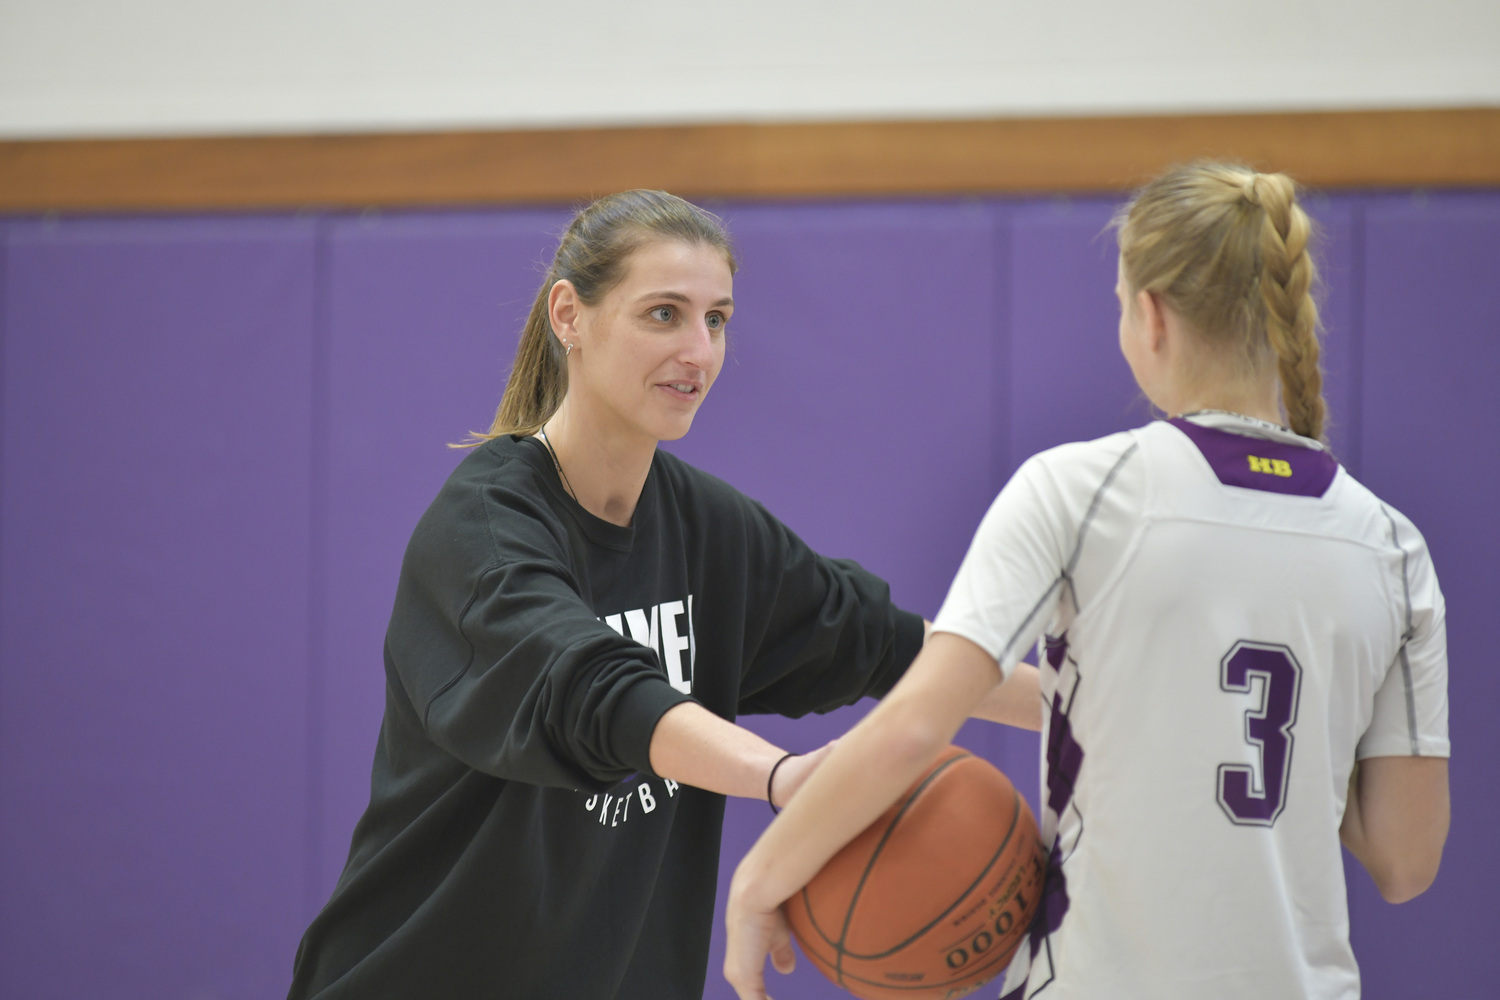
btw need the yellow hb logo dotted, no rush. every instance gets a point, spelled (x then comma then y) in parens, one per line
(1270, 466)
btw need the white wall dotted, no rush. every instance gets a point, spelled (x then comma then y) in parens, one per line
(95, 67)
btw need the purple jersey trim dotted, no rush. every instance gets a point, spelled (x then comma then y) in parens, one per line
(1258, 464)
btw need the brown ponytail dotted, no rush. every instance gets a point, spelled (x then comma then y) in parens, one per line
(538, 377)
(592, 254)
(1228, 248)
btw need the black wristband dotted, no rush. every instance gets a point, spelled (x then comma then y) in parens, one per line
(772, 778)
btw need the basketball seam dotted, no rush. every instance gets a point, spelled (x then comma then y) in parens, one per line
(880, 846)
(1005, 842)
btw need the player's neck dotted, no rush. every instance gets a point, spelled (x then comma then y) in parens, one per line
(1258, 398)
(1271, 415)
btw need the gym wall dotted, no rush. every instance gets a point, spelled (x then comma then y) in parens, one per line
(260, 265)
(219, 431)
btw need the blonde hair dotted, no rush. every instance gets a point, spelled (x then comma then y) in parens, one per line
(1228, 249)
(592, 254)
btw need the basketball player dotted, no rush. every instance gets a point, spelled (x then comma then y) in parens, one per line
(1245, 652)
(579, 619)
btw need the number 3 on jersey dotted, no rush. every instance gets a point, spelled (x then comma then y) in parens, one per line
(1250, 797)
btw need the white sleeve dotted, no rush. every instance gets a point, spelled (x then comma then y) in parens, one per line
(1411, 706)
(1011, 580)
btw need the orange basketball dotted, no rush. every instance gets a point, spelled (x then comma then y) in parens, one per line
(934, 898)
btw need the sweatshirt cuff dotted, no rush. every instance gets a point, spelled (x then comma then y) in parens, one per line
(910, 631)
(637, 715)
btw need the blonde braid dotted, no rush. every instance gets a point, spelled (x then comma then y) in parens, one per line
(1228, 248)
(1287, 274)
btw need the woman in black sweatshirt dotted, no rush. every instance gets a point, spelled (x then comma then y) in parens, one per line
(579, 620)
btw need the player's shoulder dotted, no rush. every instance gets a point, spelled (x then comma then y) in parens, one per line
(1087, 457)
(1085, 467)
(1387, 522)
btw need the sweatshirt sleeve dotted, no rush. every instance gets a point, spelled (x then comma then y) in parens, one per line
(504, 663)
(822, 633)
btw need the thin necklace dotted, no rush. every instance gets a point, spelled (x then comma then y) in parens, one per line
(1242, 416)
(541, 432)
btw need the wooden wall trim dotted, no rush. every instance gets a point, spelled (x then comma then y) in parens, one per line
(1363, 149)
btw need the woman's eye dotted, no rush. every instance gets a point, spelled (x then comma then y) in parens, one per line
(662, 314)
(715, 321)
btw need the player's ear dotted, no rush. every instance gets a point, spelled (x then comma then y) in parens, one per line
(1153, 319)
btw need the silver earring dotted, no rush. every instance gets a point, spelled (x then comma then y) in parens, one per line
(569, 345)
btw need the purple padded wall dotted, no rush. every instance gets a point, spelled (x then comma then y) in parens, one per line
(1431, 419)
(1339, 254)
(277, 395)
(153, 634)
(861, 355)
(1068, 379)
(423, 313)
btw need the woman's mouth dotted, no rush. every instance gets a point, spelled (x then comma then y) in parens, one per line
(681, 390)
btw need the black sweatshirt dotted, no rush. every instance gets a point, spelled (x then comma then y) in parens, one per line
(517, 843)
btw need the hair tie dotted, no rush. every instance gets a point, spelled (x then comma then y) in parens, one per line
(772, 778)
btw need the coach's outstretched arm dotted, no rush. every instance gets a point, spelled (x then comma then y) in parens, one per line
(825, 617)
(693, 746)
(1396, 822)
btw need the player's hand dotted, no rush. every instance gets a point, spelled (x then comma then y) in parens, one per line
(751, 936)
(791, 775)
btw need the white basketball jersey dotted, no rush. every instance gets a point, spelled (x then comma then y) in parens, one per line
(1230, 620)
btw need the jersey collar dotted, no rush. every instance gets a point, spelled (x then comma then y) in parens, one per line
(1238, 423)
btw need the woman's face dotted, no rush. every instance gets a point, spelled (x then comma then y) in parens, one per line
(646, 355)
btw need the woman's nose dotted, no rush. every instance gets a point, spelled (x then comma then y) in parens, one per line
(700, 348)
